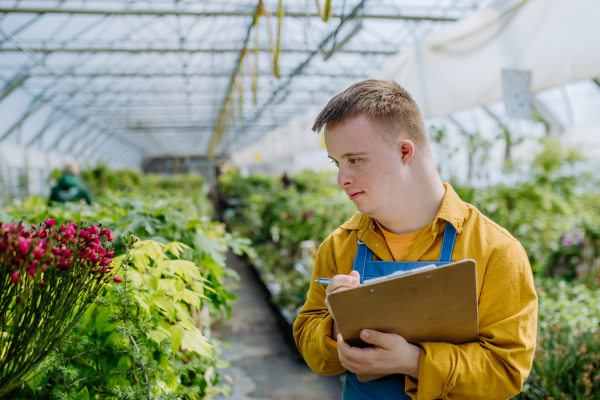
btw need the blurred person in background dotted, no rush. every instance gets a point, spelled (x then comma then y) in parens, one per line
(70, 187)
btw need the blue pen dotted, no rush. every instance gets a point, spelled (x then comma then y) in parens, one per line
(323, 281)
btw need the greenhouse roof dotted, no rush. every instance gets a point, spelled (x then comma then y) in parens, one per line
(126, 80)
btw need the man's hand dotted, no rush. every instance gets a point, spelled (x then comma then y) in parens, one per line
(391, 354)
(340, 282)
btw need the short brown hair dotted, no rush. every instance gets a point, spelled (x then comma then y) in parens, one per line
(385, 102)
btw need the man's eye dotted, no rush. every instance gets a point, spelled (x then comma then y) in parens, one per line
(354, 160)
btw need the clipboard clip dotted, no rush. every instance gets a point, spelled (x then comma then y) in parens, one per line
(400, 273)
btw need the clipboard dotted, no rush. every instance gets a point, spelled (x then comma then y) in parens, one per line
(436, 305)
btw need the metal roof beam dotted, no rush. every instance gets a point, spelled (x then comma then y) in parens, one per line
(134, 50)
(12, 85)
(186, 75)
(249, 13)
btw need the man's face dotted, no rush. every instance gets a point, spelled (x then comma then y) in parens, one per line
(370, 171)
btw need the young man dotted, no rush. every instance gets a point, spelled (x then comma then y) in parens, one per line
(376, 136)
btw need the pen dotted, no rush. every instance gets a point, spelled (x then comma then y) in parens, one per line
(323, 281)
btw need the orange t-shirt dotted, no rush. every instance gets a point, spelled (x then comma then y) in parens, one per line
(400, 244)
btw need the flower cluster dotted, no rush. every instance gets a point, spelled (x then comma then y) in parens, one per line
(27, 254)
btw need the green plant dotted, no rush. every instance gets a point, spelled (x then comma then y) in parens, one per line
(142, 338)
(48, 278)
(567, 359)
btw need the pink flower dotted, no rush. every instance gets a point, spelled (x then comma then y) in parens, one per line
(106, 232)
(43, 284)
(31, 270)
(117, 279)
(15, 277)
(24, 245)
(38, 253)
(93, 230)
(110, 254)
(110, 238)
(49, 223)
(105, 262)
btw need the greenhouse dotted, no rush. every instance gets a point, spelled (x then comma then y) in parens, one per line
(196, 197)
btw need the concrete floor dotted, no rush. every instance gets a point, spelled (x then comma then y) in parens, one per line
(262, 365)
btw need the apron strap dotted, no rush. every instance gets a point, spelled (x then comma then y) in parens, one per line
(363, 254)
(448, 242)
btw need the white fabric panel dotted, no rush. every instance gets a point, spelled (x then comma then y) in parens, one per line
(282, 143)
(460, 66)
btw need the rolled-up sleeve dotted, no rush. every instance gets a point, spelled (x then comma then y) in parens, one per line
(312, 329)
(496, 366)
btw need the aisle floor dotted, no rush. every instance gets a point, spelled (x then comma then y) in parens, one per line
(262, 364)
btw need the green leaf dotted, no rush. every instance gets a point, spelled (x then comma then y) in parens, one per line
(192, 298)
(102, 323)
(166, 304)
(82, 395)
(176, 335)
(124, 362)
(35, 380)
(134, 278)
(159, 334)
(188, 270)
(195, 341)
(142, 303)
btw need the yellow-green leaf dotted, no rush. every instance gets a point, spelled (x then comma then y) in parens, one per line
(193, 340)
(188, 270)
(166, 304)
(142, 303)
(159, 334)
(134, 278)
(176, 336)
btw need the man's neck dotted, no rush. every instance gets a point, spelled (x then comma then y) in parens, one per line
(427, 193)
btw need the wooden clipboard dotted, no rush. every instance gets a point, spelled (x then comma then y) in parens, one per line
(437, 305)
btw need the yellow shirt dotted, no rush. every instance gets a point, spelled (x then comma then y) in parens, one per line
(399, 244)
(493, 367)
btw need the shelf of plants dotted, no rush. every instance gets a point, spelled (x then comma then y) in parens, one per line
(553, 212)
(147, 334)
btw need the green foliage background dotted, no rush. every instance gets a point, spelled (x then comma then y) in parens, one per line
(99, 360)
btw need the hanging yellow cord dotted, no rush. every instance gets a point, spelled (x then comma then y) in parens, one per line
(324, 13)
(280, 15)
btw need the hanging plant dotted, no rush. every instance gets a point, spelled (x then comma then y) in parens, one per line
(48, 278)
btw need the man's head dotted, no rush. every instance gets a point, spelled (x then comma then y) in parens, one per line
(376, 136)
(389, 107)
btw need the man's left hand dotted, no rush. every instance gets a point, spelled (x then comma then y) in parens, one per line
(390, 354)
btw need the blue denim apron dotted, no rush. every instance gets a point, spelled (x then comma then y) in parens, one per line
(390, 387)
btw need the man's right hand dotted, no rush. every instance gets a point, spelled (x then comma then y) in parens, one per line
(338, 283)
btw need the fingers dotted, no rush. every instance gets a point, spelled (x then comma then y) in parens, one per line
(356, 274)
(343, 281)
(383, 340)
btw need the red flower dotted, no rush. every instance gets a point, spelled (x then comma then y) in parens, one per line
(15, 277)
(93, 230)
(110, 254)
(117, 279)
(49, 223)
(105, 262)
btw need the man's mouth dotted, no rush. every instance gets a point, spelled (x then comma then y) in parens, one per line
(355, 195)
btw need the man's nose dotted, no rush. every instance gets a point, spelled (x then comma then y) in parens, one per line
(344, 179)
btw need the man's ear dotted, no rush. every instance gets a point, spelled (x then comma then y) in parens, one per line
(406, 149)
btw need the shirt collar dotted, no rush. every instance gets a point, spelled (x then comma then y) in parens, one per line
(452, 210)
